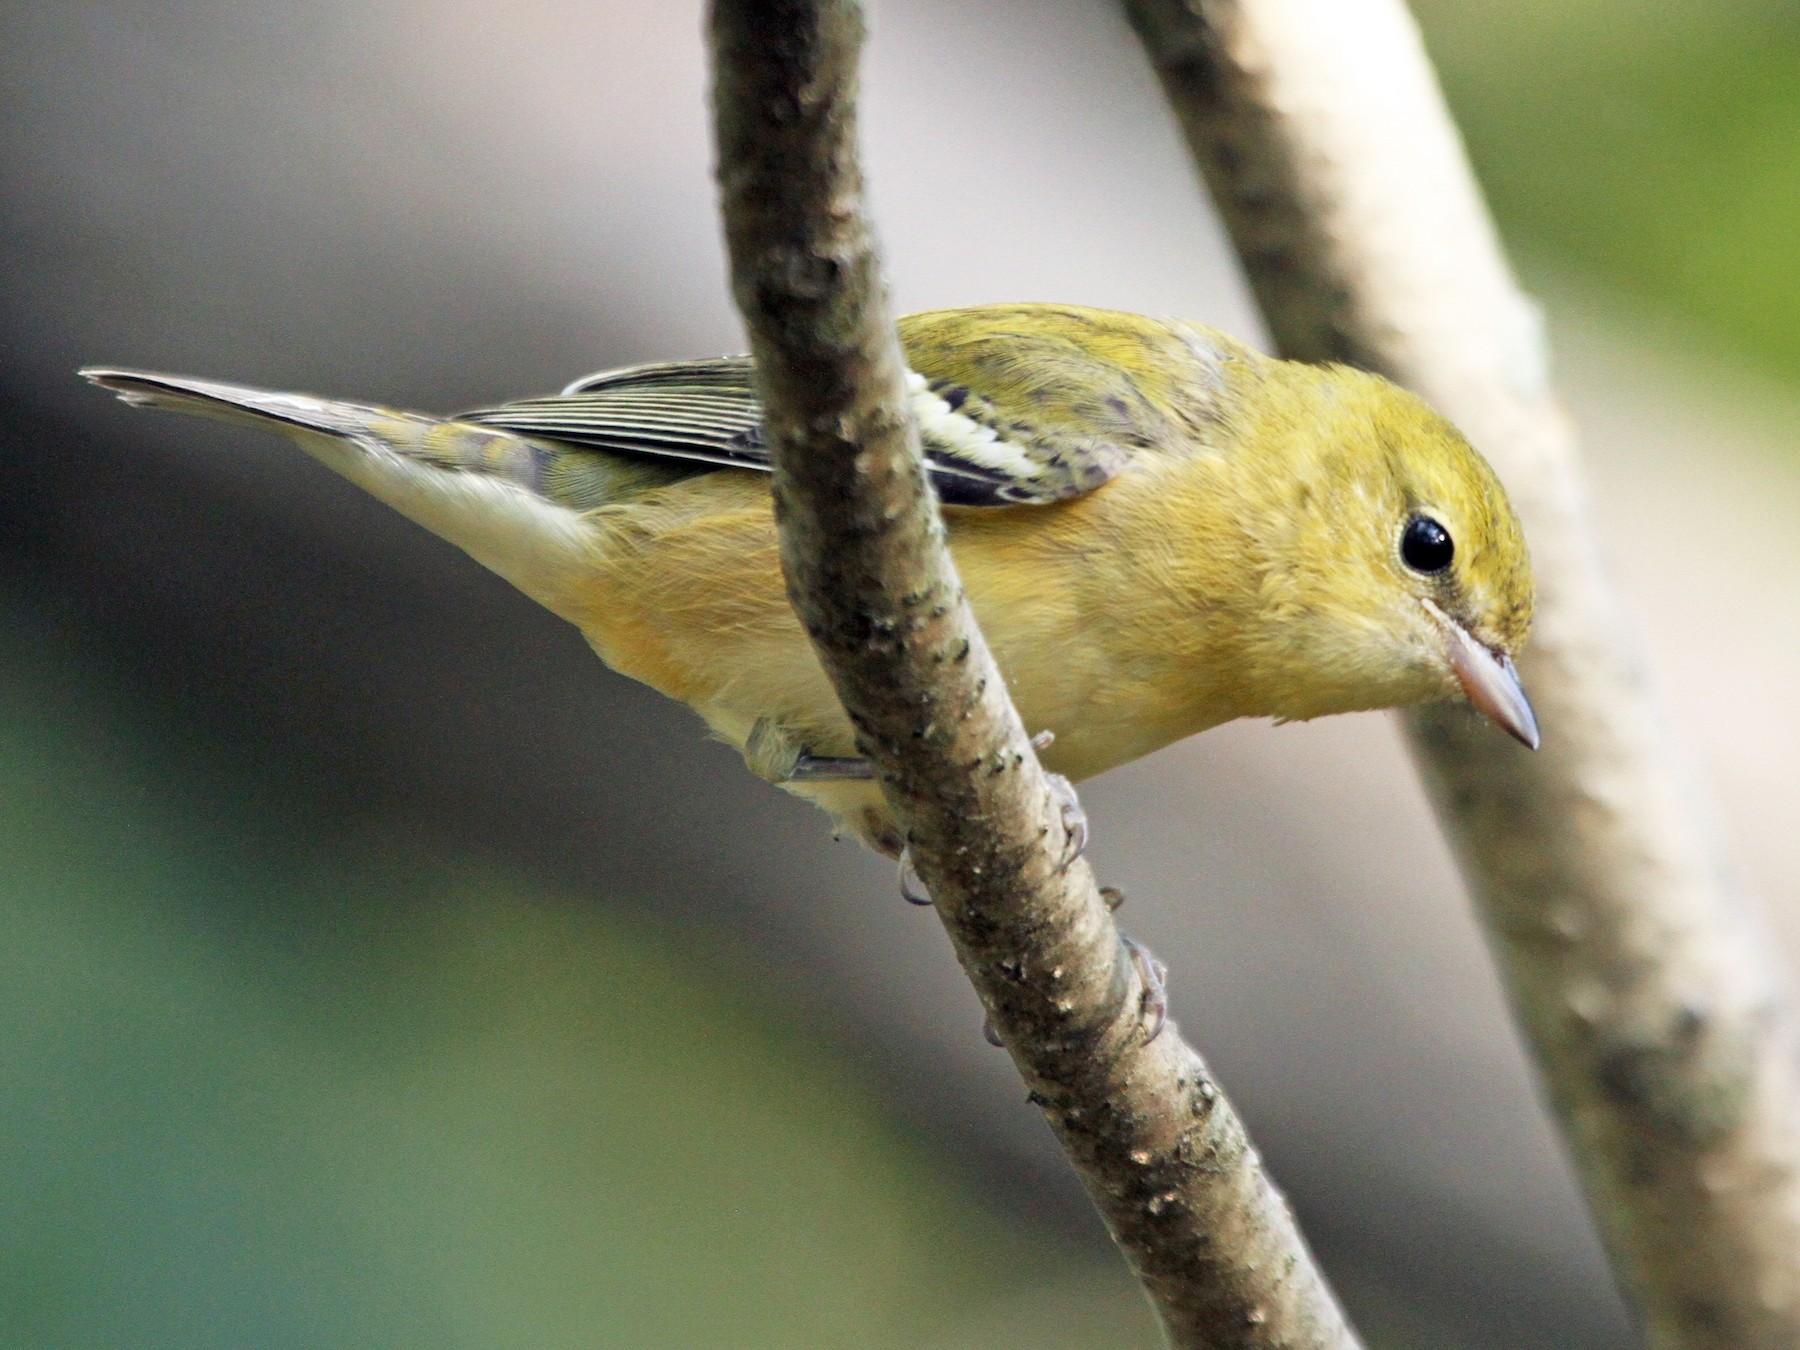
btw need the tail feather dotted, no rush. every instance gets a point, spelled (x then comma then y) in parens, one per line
(227, 402)
(480, 488)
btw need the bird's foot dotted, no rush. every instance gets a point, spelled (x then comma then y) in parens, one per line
(912, 889)
(1153, 975)
(1074, 817)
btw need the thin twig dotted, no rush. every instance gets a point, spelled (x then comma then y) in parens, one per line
(1162, 1154)
(1644, 986)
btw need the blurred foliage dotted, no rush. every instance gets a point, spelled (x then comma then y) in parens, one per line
(1651, 144)
(262, 1091)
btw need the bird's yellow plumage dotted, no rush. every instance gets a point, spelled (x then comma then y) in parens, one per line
(1159, 531)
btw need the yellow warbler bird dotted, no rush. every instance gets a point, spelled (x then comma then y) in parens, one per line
(1159, 529)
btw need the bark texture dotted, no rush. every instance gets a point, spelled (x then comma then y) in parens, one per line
(1662, 1032)
(1159, 1149)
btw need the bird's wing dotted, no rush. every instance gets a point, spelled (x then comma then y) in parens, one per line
(704, 411)
(1025, 406)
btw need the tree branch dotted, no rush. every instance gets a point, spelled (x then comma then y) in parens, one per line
(1163, 1155)
(1645, 988)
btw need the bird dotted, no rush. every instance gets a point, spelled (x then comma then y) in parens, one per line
(1159, 530)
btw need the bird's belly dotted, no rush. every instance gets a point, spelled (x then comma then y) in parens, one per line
(688, 598)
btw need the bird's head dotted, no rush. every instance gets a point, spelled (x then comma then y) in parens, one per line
(1397, 565)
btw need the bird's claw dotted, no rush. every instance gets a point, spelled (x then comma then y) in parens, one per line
(1153, 1002)
(988, 1033)
(912, 889)
(1074, 817)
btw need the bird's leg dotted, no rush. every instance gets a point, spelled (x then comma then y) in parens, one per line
(1153, 1003)
(824, 768)
(774, 756)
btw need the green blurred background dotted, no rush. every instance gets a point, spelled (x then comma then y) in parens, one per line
(263, 1093)
(377, 970)
(1652, 146)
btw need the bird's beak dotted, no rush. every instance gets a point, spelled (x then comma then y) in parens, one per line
(1492, 685)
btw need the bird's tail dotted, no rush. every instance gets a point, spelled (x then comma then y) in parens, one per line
(492, 493)
(231, 402)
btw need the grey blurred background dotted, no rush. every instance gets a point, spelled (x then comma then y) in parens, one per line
(378, 969)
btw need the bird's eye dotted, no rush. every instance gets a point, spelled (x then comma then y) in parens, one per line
(1426, 546)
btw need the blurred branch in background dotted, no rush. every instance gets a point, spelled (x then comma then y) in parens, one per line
(1645, 987)
(1161, 1152)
